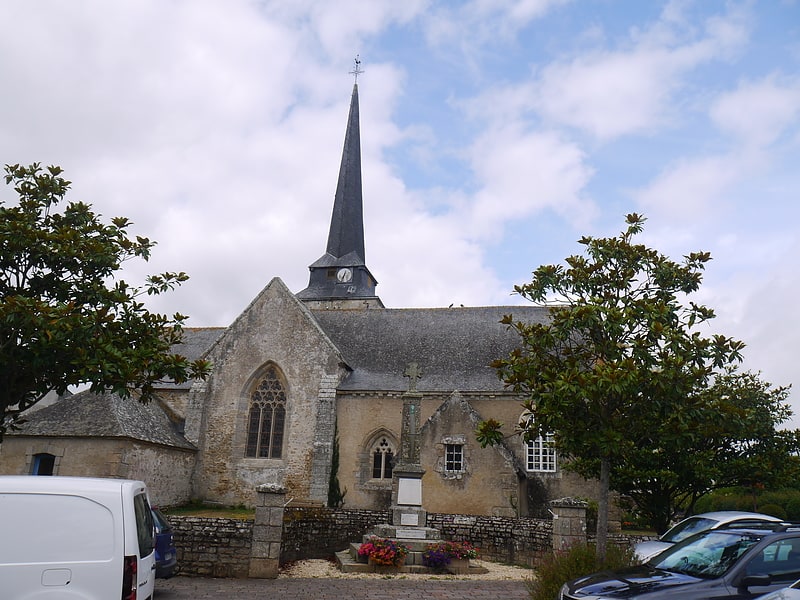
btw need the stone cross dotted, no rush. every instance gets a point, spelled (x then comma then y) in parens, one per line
(409, 435)
(413, 372)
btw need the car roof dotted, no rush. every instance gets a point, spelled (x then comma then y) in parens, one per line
(730, 515)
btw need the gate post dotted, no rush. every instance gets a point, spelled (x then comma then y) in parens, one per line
(569, 523)
(265, 552)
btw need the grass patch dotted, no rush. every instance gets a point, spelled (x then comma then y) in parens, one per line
(198, 509)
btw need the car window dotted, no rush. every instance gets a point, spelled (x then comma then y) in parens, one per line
(688, 527)
(160, 521)
(144, 524)
(707, 555)
(780, 560)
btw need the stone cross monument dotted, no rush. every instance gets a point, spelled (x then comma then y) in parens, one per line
(407, 473)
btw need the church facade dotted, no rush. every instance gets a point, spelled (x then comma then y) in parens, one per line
(307, 389)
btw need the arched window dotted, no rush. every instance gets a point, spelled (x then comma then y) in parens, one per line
(382, 459)
(540, 452)
(267, 417)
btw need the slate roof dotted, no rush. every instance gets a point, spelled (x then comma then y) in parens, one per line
(452, 346)
(86, 414)
(196, 341)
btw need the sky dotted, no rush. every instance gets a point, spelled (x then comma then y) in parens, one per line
(494, 135)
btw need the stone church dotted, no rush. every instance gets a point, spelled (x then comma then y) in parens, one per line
(301, 378)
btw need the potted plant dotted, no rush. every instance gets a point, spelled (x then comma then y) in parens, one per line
(451, 556)
(383, 552)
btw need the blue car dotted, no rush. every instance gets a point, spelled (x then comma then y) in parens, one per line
(166, 555)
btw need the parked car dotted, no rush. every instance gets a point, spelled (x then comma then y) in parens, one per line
(790, 593)
(718, 563)
(697, 523)
(166, 555)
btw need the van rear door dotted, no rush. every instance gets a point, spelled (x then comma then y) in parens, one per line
(59, 544)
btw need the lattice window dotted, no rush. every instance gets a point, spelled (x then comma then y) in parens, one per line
(382, 459)
(267, 417)
(541, 454)
(453, 458)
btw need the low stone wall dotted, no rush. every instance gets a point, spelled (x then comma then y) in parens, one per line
(211, 547)
(319, 532)
(520, 541)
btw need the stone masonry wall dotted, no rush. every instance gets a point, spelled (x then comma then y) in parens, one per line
(319, 532)
(520, 541)
(212, 547)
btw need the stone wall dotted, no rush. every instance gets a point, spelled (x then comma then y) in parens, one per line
(212, 547)
(520, 540)
(166, 470)
(319, 532)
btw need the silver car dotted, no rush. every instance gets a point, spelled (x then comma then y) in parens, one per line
(698, 523)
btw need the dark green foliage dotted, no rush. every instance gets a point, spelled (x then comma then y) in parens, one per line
(614, 372)
(335, 493)
(774, 510)
(633, 392)
(65, 317)
(783, 503)
(579, 560)
(792, 508)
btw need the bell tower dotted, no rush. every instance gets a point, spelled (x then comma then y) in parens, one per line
(340, 277)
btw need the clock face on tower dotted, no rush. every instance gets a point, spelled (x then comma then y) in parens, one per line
(344, 275)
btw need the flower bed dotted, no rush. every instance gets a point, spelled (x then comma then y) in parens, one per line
(383, 551)
(440, 555)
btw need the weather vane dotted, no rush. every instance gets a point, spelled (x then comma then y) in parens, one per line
(357, 69)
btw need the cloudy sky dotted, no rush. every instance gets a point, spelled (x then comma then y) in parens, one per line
(495, 133)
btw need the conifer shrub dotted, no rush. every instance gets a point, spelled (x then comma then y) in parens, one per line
(579, 560)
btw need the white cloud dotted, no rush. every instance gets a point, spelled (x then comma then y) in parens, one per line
(610, 93)
(759, 112)
(521, 173)
(689, 189)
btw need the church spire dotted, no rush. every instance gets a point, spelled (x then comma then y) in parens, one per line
(340, 278)
(346, 234)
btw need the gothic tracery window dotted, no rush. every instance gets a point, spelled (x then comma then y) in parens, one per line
(267, 417)
(382, 457)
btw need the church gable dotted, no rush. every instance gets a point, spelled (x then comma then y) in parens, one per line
(265, 415)
(459, 473)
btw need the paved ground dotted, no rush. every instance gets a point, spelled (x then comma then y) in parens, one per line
(391, 588)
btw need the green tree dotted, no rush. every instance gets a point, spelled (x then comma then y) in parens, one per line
(733, 440)
(64, 318)
(619, 356)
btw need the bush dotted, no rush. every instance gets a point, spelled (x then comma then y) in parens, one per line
(773, 510)
(579, 560)
(793, 509)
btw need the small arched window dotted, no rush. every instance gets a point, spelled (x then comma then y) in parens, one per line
(382, 459)
(267, 417)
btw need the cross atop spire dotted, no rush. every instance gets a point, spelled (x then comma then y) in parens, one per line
(357, 69)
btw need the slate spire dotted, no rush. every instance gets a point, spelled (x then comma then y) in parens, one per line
(347, 222)
(340, 277)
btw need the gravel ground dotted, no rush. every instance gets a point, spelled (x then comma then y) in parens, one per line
(327, 569)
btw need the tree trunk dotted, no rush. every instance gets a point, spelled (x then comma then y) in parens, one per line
(602, 510)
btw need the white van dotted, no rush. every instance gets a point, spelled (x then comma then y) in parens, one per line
(75, 538)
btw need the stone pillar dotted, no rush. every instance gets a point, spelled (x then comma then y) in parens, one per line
(569, 522)
(265, 553)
